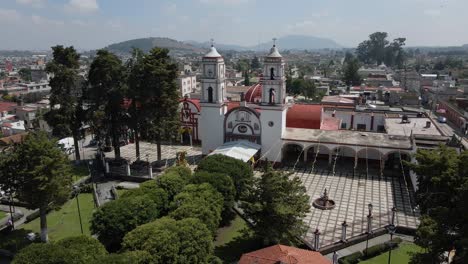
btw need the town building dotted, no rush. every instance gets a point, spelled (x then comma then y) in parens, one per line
(187, 84)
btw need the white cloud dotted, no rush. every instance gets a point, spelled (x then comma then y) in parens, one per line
(38, 20)
(432, 12)
(82, 6)
(9, 15)
(32, 3)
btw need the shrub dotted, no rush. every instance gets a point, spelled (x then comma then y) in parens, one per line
(152, 190)
(114, 219)
(351, 259)
(240, 172)
(373, 251)
(172, 183)
(183, 171)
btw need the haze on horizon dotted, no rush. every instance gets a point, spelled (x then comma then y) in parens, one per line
(93, 24)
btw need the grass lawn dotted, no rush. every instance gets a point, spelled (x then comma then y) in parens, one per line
(79, 171)
(231, 242)
(120, 192)
(401, 255)
(2, 214)
(65, 222)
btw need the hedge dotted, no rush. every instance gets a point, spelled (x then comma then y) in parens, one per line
(351, 259)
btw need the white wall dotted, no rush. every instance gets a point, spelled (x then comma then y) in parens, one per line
(211, 127)
(271, 135)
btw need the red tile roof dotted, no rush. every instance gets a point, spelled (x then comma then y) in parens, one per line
(330, 123)
(18, 138)
(5, 106)
(283, 254)
(254, 94)
(304, 116)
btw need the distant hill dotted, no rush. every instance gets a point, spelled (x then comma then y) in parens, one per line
(207, 44)
(290, 42)
(147, 44)
(300, 42)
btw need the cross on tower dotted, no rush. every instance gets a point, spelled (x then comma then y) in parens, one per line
(274, 42)
(212, 42)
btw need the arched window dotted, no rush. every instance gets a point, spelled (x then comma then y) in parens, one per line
(210, 94)
(272, 73)
(272, 96)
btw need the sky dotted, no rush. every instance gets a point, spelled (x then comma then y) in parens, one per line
(94, 24)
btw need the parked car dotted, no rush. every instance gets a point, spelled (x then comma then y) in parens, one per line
(442, 119)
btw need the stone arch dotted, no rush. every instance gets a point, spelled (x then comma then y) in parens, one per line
(392, 158)
(311, 152)
(369, 157)
(291, 152)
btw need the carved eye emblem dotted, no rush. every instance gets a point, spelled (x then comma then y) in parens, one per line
(242, 129)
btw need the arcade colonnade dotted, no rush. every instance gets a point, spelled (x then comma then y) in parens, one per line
(309, 151)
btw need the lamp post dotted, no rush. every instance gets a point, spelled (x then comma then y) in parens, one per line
(391, 230)
(77, 192)
(335, 258)
(344, 225)
(394, 210)
(316, 239)
(369, 225)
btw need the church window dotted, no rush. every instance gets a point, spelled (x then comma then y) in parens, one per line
(271, 124)
(272, 95)
(210, 94)
(272, 73)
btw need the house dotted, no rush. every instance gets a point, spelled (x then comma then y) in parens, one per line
(283, 254)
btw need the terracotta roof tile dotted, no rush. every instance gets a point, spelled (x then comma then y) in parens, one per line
(283, 254)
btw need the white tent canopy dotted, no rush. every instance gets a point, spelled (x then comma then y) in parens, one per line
(243, 150)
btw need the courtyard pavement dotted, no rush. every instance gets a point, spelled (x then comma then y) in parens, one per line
(352, 192)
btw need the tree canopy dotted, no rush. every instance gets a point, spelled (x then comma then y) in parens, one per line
(106, 94)
(240, 172)
(277, 205)
(441, 196)
(114, 219)
(199, 201)
(171, 241)
(39, 173)
(73, 250)
(67, 114)
(350, 72)
(377, 49)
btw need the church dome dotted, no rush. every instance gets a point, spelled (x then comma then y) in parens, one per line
(213, 53)
(274, 53)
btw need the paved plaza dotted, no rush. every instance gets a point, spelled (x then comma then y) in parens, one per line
(352, 194)
(168, 153)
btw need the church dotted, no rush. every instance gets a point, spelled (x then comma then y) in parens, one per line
(266, 124)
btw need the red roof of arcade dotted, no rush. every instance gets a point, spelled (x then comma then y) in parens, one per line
(304, 116)
(283, 254)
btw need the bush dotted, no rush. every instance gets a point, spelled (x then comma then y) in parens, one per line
(152, 190)
(134, 257)
(114, 219)
(183, 171)
(224, 185)
(351, 259)
(86, 188)
(373, 251)
(240, 172)
(172, 183)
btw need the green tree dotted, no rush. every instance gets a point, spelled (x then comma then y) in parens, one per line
(40, 174)
(136, 92)
(72, 250)
(150, 189)
(255, 64)
(66, 115)
(277, 205)
(158, 95)
(172, 183)
(114, 219)
(350, 72)
(106, 93)
(246, 78)
(240, 172)
(171, 241)
(224, 185)
(308, 88)
(134, 257)
(442, 193)
(243, 65)
(25, 74)
(377, 49)
(199, 201)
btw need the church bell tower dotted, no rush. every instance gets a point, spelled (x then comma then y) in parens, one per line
(213, 107)
(273, 104)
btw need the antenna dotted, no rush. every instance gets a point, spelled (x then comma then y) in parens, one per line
(212, 42)
(274, 42)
